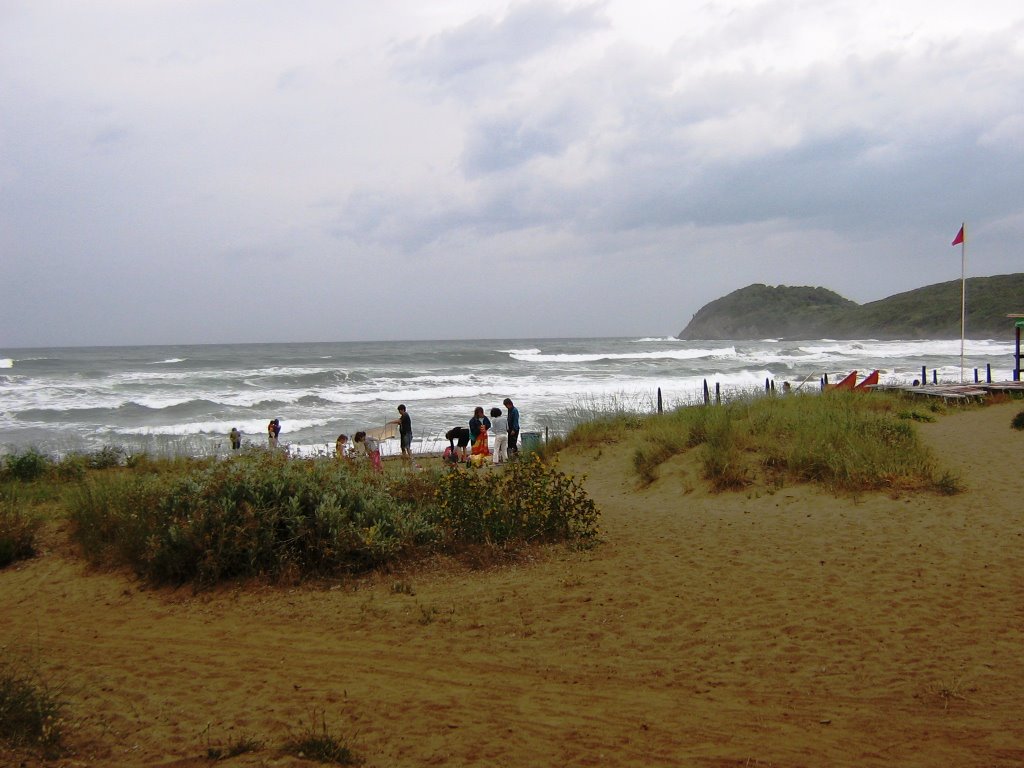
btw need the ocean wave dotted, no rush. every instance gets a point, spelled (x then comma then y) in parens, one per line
(908, 349)
(6, 362)
(514, 352)
(252, 428)
(655, 339)
(678, 354)
(169, 361)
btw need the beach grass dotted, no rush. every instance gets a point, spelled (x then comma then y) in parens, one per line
(846, 442)
(18, 529)
(30, 710)
(315, 741)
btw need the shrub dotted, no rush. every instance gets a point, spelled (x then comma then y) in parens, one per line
(27, 465)
(71, 468)
(1018, 421)
(29, 710)
(263, 514)
(258, 515)
(107, 457)
(529, 501)
(17, 532)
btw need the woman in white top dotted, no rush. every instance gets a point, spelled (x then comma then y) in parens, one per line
(499, 428)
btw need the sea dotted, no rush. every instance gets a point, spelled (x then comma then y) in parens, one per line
(172, 400)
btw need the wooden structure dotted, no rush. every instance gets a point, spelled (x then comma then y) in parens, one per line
(1018, 322)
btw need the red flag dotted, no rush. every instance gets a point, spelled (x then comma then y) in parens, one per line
(959, 236)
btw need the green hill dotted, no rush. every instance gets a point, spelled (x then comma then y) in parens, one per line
(801, 312)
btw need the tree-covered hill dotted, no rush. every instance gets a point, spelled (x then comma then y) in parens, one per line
(801, 312)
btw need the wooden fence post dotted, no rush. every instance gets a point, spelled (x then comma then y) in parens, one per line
(659, 399)
(707, 393)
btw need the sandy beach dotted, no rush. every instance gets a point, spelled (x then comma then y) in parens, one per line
(758, 628)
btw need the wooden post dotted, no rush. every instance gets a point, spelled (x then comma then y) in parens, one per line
(935, 375)
(976, 379)
(659, 399)
(924, 375)
(718, 393)
(988, 372)
(707, 393)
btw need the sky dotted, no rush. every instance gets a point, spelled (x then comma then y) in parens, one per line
(220, 171)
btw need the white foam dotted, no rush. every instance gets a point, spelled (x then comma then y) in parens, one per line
(681, 354)
(252, 429)
(6, 362)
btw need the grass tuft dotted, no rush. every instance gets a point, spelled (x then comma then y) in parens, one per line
(317, 743)
(30, 711)
(17, 531)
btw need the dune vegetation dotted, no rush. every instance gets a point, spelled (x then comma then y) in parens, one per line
(845, 442)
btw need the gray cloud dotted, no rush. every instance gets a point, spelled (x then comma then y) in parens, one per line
(156, 170)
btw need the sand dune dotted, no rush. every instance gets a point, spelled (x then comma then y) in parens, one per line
(740, 629)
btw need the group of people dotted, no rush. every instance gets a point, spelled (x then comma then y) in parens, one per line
(371, 445)
(470, 444)
(465, 444)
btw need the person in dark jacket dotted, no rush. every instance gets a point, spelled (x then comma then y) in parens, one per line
(513, 427)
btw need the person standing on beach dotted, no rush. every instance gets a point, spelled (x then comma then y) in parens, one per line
(513, 427)
(499, 427)
(273, 431)
(236, 438)
(404, 422)
(478, 422)
(478, 427)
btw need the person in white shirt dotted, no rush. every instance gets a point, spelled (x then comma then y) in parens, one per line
(499, 428)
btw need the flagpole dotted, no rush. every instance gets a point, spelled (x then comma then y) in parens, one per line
(963, 295)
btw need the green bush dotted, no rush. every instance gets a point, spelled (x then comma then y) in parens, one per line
(29, 711)
(1018, 421)
(107, 457)
(17, 532)
(529, 501)
(26, 465)
(258, 515)
(263, 514)
(71, 468)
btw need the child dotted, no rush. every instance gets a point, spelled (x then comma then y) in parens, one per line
(341, 447)
(372, 448)
(499, 426)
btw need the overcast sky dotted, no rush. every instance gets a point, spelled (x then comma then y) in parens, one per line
(185, 171)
